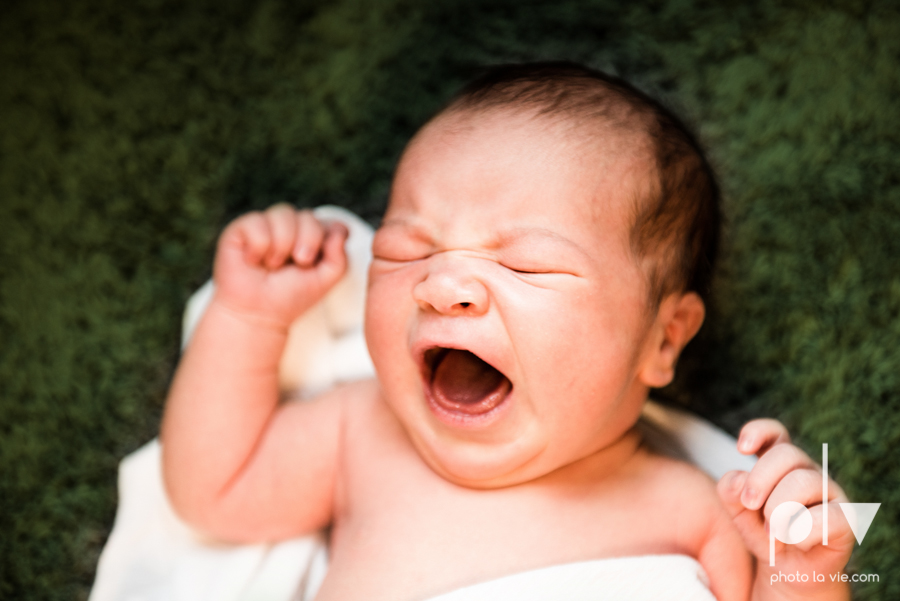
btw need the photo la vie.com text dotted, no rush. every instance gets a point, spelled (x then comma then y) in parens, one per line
(819, 577)
(791, 522)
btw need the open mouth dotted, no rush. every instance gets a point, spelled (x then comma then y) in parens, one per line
(459, 381)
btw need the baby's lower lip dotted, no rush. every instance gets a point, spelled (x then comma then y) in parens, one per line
(472, 417)
(463, 419)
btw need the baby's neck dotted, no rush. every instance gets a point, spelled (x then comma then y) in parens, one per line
(601, 464)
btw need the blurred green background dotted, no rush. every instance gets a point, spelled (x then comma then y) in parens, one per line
(131, 131)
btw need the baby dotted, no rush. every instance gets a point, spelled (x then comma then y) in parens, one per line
(540, 267)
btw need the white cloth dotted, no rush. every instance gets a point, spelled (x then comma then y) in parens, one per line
(152, 556)
(647, 577)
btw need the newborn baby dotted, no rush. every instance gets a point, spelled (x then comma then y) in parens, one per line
(541, 265)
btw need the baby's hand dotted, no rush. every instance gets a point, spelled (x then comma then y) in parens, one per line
(270, 267)
(785, 473)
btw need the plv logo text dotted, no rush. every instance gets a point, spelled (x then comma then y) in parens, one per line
(791, 522)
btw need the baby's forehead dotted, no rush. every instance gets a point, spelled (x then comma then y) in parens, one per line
(598, 154)
(594, 143)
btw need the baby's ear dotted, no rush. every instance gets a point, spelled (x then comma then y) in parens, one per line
(677, 321)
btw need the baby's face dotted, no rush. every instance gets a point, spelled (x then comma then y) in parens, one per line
(506, 315)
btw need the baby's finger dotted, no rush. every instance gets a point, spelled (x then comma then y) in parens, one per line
(840, 536)
(283, 226)
(802, 486)
(759, 435)
(334, 258)
(769, 470)
(249, 236)
(310, 233)
(729, 489)
(749, 523)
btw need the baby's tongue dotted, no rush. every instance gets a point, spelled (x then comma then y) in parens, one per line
(467, 383)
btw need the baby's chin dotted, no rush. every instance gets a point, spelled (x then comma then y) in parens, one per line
(467, 471)
(529, 456)
(481, 464)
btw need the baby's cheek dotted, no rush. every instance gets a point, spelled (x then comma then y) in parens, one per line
(384, 311)
(575, 342)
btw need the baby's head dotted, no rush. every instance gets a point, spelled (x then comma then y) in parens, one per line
(539, 268)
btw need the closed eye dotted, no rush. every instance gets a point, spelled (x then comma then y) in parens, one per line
(539, 270)
(398, 259)
(395, 245)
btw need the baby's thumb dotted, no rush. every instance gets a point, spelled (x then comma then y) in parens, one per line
(334, 259)
(750, 523)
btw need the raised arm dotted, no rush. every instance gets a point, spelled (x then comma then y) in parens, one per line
(236, 463)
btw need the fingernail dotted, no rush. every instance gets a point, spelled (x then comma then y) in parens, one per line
(748, 498)
(746, 444)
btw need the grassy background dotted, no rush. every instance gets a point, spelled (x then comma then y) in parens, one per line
(130, 131)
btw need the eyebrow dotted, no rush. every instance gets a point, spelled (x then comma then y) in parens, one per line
(504, 239)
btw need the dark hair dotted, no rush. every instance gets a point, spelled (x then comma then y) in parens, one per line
(677, 226)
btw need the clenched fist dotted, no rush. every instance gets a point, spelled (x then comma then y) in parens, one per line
(272, 266)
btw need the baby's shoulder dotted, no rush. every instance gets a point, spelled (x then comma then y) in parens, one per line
(371, 431)
(353, 400)
(688, 496)
(682, 479)
(703, 527)
(363, 405)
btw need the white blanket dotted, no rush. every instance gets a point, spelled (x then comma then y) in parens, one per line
(648, 577)
(152, 556)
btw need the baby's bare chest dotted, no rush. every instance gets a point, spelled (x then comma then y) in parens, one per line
(405, 533)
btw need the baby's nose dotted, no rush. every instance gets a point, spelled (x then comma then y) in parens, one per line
(451, 289)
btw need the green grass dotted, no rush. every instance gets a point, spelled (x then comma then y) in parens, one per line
(130, 132)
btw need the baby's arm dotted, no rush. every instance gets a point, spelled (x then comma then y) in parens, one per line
(785, 473)
(236, 464)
